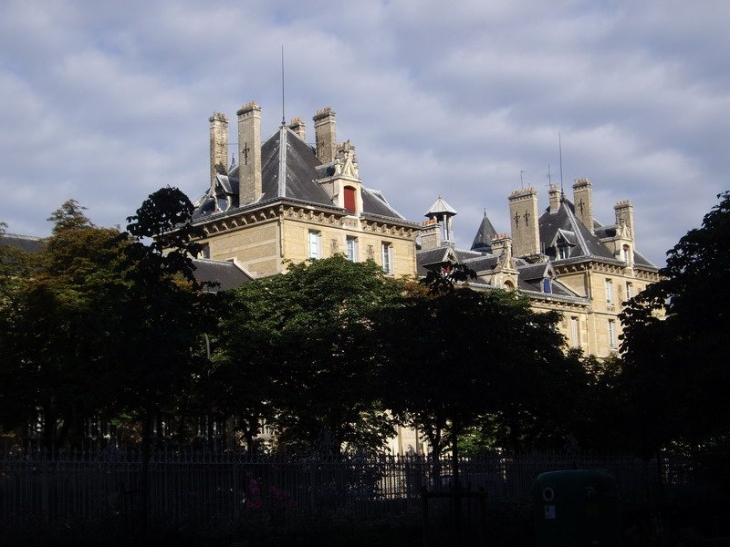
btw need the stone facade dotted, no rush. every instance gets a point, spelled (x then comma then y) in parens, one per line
(288, 201)
(562, 260)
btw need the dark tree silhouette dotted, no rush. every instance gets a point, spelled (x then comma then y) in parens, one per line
(676, 344)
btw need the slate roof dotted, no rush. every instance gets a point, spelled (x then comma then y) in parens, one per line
(289, 170)
(223, 272)
(426, 258)
(562, 226)
(483, 263)
(29, 244)
(484, 236)
(446, 252)
(440, 207)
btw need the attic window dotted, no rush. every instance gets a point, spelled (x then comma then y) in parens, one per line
(563, 251)
(546, 285)
(349, 195)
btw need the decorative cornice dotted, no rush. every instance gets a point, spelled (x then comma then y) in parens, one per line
(299, 210)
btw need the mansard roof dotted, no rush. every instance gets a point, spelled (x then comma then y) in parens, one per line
(563, 228)
(28, 244)
(483, 263)
(446, 252)
(289, 170)
(225, 273)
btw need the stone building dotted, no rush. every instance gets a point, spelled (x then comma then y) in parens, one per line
(288, 200)
(562, 259)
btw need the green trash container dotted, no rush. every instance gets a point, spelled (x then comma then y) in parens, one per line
(577, 507)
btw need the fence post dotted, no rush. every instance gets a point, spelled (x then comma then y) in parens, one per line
(236, 494)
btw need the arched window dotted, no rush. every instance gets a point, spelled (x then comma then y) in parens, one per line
(350, 203)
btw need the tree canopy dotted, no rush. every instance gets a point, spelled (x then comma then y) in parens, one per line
(462, 359)
(676, 345)
(54, 328)
(101, 324)
(299, 351)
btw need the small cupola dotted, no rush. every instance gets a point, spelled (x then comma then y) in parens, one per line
(442, 212)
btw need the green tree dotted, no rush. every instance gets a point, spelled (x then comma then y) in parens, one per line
(675, 344)
(162, 312)
(463, 361)
(54, 329)
(157, 354)
(299, 351)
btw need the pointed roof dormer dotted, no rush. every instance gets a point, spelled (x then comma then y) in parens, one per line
(485, 234)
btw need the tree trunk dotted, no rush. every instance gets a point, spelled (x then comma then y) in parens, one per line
(455, 459)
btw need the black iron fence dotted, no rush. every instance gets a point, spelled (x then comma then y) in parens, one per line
(218, 490)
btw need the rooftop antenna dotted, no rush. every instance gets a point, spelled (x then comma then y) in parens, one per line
(522, 181)
(549, 176)
(560, 150)
(283, 116)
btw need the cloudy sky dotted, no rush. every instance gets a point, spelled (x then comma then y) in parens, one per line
(106, 101)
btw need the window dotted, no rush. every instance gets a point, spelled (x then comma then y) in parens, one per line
(350, 203)
(609, 291)
(386, 251)
(612, 339)
(563, 252)
(627, 255)
(352, 254)
(314, 244)
(546, 287)
(629, 290)
(574, 332)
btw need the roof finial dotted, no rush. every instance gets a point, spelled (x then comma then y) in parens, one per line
(560, 150)
(283, 115)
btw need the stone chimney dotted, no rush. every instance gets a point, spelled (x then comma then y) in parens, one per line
(502, 246)
(583, 200)
(430, 234)
(218, 145)
(625, 231)
(625, 217)
(325, 134)
(249, 150)
(555, 197)
(523, 219)
(297, 125)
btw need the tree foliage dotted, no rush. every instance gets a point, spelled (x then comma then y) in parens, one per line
(299, 351)
(104, 325)
(162, 313)
(675, 344)
(54, 328)
(462, 361)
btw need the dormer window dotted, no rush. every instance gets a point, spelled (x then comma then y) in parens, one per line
(563, 251)
(547, 285)
(350, 199)
(627, 254)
